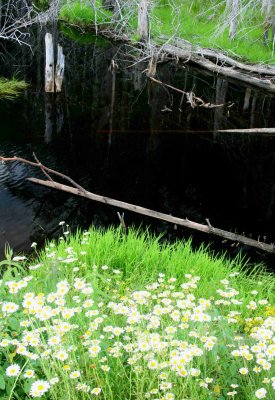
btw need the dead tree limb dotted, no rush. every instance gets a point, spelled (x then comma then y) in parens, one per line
(43, 169)
(190, 96)
(190, 56)
(158, 215)
(80, 191)
(252, 130)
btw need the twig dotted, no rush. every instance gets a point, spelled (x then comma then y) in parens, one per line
(121, 218)
(43, 168)
(190, 96)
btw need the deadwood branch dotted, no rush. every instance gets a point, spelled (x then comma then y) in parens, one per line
(80, 191)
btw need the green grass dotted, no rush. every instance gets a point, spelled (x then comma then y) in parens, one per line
(201, 23)
(10, 89)
(200, 30)
(128, 316)
(84, 14)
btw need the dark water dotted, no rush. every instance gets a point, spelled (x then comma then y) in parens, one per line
(120, 135)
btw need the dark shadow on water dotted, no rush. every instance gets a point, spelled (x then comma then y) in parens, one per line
(120, 135)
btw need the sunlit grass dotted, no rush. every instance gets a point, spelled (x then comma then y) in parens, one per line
(199, 30)
(83, 13)
(10, 89)
(128, 316)
(201, 23)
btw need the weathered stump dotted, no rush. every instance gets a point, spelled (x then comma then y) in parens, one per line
(49, 67)
(59, 70)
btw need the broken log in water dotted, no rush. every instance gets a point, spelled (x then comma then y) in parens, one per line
(158, 215)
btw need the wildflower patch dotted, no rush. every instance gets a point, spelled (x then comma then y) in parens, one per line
(91, 335)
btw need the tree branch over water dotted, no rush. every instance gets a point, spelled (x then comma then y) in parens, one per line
(80, 191)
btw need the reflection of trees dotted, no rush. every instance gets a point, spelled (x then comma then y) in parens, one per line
(177, 173)
(252, 162)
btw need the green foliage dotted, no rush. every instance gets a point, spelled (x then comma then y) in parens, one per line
(83, 13)
(201, 23)
(10, 89)
(129, 316)
(206, 24)
(41, 4)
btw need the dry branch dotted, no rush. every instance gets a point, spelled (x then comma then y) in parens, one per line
(252, 130)
(80, 191)
(158, 215)
(190, 96)
(43, 169)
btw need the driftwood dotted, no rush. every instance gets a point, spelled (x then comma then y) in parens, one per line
(80, 191)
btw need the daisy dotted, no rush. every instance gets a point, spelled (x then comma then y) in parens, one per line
(260, 393)
(13, 370)
(39, 388)
(29, 373)
(74, 374)
(96, 391)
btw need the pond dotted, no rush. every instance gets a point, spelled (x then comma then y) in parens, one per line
(121, 135)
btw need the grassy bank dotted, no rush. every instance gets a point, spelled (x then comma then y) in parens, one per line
(9, 89)
(114, 316)
(201, 23)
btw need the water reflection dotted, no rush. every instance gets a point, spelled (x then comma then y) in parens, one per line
(120, 135)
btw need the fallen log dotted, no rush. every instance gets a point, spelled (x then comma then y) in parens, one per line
(158, 215)
(221, 59)
(251, 130)
(189, 56)
(80, 191)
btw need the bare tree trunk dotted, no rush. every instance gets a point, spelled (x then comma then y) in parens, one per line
(49, 67)
(143, 20)
(234, 19)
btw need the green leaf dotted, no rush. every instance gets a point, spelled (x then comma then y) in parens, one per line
(2, 382)
(14, 324)
(27, 385)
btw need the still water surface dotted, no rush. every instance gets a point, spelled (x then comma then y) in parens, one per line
(120, 135)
